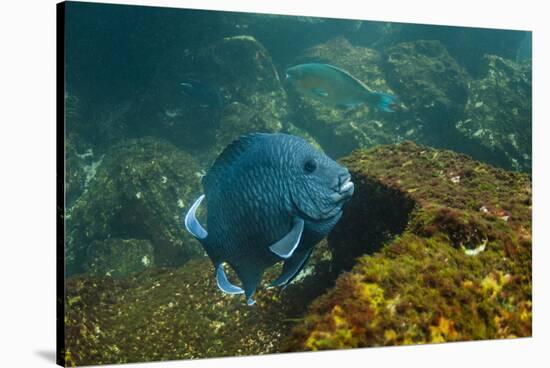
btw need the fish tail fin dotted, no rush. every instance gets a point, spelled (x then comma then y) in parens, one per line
(250, 275)
(382, 101)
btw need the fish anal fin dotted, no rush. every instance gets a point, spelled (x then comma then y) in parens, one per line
(224, 284)
(292, 268)
(250, 274)
(286, 246)
(192, 224)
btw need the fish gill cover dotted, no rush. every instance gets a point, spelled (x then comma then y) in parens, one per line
(434, 245)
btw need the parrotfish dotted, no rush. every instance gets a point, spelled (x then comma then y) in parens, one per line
(335, 86)
(270, 198)
(207, 95)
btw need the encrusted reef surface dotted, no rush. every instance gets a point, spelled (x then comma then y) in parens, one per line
(433, 247)
(459, 270)
(137, 191)
(497, 116)
(179, 313)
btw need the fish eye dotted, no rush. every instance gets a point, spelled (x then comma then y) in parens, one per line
(310, 166)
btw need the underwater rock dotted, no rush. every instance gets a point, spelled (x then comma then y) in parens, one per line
(466, 45)
(119, 257)
(454, 265)
(169, 314)
(498, 114)
(75, 175)
(239, 119)
(253, 90)
(139, 191)
(341, 131)
(449, 259)
(254, 100)
(432, 85)
(278, 33)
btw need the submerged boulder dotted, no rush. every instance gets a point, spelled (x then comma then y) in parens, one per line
(455, 265)
(466, 45)
(255, 97)
(241, 69)
(140, 190)
(169, 314)
(432, 85)
(498, 115)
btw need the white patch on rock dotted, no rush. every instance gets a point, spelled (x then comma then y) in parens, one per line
(146, 261)
(474, 252)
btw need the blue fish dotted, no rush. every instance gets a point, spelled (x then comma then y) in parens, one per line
(206, 94)
(335, 86)
(270, 198)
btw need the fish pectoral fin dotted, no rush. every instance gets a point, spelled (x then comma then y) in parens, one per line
(287, 245)
(347, 106)
(319, 92)
(192, 224)
(292, 268)
(224, 284)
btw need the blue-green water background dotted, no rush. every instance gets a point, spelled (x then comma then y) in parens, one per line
(131, 58)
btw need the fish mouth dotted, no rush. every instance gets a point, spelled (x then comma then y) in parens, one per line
(344, 190)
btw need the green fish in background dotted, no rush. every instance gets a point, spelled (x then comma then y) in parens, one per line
(334, 86)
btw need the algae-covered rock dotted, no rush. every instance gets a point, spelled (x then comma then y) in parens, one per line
(119, 257)
(456, 267)
(432, 85)
(286, 36)
(169, 314)
(341, 131)
(75, 174)
(438, 248)
(466, 45)
(139, 191)
(242, 70)
(256, 100)
(498, 113)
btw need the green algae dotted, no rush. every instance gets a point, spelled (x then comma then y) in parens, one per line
(423, 286)
(179, 313)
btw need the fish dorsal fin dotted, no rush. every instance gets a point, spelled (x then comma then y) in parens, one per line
(292, 268)
(224, 284)
(192, 224)
(227, 158)
(347, 74)
(288, 244)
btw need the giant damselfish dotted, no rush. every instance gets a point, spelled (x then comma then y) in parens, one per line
(270, 198)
